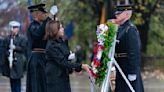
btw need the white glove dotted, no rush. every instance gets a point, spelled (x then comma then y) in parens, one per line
(132, 77)
(71, 56)
(12, 46)
(54, 10)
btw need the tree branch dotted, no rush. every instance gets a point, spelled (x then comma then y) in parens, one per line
(154, 7)
(95, 5)
(143, 2)
(136, 2)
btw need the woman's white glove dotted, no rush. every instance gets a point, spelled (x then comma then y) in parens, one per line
(132, 77)
(71, 56)
(12, 46)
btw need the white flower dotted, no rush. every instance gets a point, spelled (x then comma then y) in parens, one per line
(94, 70)
(103, 27)
(99, 54)
(92, 64)
(106, 28)
(101, 39)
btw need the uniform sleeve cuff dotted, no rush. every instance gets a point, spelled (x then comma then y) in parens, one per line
(78, 69)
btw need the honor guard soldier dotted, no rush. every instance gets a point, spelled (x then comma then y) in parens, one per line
(14, 56)
(36, 78)
(1, 49)
(127, 51)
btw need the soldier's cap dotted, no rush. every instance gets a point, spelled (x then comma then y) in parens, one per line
(37, 7)
(120, 8)
(14, 24)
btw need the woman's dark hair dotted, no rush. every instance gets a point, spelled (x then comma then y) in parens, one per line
(52, 28)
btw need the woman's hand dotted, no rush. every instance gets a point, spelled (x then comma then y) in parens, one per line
(86, 68)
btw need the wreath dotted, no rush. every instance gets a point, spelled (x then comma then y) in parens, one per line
(105, 36)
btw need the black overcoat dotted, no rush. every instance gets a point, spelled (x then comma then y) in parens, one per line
(58, 66)
(128, 57)
(1, 55)
(17, 70)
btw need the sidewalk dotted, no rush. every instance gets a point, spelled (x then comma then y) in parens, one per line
(81, 84)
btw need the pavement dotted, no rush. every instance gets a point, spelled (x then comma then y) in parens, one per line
(81, 84)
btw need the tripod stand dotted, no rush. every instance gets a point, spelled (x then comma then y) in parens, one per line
(106, 82)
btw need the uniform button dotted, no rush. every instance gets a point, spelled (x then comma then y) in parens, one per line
(15, 58)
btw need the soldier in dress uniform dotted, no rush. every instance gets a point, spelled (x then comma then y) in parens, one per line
(14, 51)
(36, 78)
(127, 51)
(1, 50)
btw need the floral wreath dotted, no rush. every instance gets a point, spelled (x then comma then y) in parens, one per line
(105, 36)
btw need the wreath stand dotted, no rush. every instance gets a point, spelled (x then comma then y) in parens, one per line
(107, 81)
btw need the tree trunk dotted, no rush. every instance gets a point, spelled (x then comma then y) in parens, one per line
(143, 29)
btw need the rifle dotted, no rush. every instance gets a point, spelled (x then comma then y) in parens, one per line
(11, 50)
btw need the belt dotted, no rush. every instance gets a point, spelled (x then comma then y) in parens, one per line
(38, 49)
(120, 55)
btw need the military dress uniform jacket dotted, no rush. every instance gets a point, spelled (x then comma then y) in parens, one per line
(57, 67)
(17, 70)
(128, 57)
(35, 35)
(36, 78)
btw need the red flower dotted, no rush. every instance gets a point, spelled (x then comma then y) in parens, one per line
(106, 24)
(102, 47)
(96, 48)
(95, 59)
(94, 75)
(96, 63)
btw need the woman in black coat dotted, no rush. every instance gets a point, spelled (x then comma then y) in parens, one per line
(58, 55)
